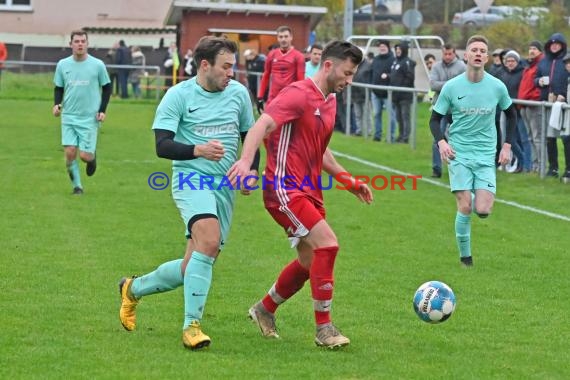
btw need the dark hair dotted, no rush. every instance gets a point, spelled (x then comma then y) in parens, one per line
(477, 38)
(429, 56)
(284, 28)
(449, 46)
(209, 47)
(316, 46)
(78, 32)
(342, 50)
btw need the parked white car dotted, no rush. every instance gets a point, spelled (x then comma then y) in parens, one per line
(475, 17)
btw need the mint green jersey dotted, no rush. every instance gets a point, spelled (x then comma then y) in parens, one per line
(197, 116)
(81, 82)
(472, 133)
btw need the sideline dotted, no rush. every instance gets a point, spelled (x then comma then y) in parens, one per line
(437, 183)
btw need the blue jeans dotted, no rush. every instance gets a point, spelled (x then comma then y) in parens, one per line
(525, 144)
(378, 105)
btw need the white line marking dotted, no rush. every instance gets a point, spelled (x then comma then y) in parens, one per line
(437, 183)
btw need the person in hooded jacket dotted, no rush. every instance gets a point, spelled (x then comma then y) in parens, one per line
(554, 89)
(381, 65)
(402, 74)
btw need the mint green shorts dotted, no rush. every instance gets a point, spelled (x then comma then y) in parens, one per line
(82, 135)
(196, 200)
(472, 175)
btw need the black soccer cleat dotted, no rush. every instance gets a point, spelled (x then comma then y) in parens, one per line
(91, 167)
(467, 261)
(77, 190)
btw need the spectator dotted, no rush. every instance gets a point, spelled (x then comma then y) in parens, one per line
(429, 61)
(112, 71)
(449, 67)
(254, 64)
(497, 65)
(283, 66)
(511, 77)
(138, 59)
(552, 78)
(358, 96)
(171, 64)
(565, 133)
(123, 57)
(190, 67)
(3, 57)
(532, 116)
(402, 74)
(312, 65)
(381, 65)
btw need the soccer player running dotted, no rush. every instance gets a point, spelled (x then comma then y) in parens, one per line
(81, 95)
(283, 66)
(299, 123)
(198, 125)
(472, 98)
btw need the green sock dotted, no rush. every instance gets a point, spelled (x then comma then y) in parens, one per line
(73, 170)
(166, 277)
(197, 281)
(463, 234)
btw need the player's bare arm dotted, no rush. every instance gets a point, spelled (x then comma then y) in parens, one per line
(359, 189)
(263, 126)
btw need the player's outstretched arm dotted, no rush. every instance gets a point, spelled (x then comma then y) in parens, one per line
(241, 168)
(359, 189)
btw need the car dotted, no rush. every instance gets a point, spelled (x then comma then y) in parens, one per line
(385, 10)
(475, 17)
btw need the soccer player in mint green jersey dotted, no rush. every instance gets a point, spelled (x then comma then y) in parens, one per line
(198, 125)
(81, 95)
(472, 98)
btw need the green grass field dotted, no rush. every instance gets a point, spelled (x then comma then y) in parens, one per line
(62, 256)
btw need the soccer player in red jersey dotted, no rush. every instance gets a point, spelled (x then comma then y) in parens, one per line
(299, 123)
(283, 66)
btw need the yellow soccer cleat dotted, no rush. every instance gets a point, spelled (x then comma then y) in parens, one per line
(128, 304)
(193, 337)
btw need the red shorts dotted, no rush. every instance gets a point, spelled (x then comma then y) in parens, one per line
(298, 216)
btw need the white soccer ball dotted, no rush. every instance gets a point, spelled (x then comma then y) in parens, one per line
(434, 302)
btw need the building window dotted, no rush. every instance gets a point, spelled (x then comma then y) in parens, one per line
(15, 5)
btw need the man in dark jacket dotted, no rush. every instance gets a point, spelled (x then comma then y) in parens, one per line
(552, 78)
(511, 77)
(402, 74)
(254, 64)
(358, 95)
(381, 65)
(123, 57)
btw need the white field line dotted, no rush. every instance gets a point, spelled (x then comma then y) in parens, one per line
(437, 183)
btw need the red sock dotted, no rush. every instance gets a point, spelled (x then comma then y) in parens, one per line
(290, 281)
(322, 282)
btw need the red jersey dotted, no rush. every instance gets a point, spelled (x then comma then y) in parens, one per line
(305, 120)
(282, 68)
(527, 89)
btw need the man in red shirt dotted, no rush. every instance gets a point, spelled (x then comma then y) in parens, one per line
(528, 90)
(299, 123)
(283, 66)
